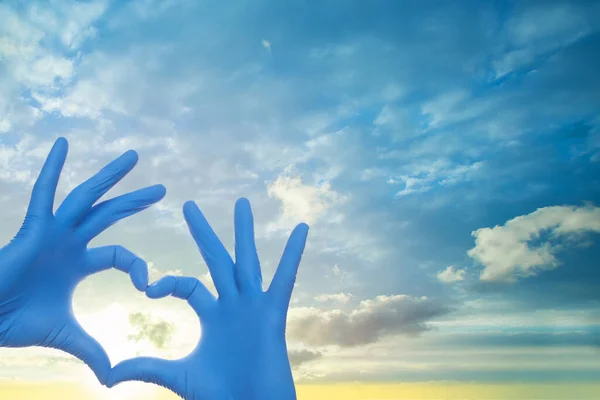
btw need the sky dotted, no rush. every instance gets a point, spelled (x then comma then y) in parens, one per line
(446, 156)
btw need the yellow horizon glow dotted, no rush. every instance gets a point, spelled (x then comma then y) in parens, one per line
(341, 391)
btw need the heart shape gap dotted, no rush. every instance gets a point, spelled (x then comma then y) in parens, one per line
(128, 324)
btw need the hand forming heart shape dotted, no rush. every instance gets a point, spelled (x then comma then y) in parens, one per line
(48, 257)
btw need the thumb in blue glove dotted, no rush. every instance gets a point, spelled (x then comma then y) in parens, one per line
(42, 265)
(242, 353)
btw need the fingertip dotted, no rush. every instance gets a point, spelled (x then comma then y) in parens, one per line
(242, 212)
(145, 369)
(131, 155)
(300, 232)
(110, 384)
(99, 364)
(151, 292)
(189, 206)
(242, 202)
(151, 194)
(102, 377)
(192, 214)
(160, 190)
(115, 376)
(58, 152)
(139, 275)
(61, 141)
(158, 289)
(153, 284)
(87, 349)
(303, 227)
(111, 380)
(127, 160)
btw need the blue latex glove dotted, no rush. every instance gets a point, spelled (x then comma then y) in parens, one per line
(242, 352)
(42, 265)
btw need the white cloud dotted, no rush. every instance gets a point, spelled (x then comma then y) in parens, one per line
(337, 271)
(31, 62)
(392, 92)
(70, 21)
(343, 275)
(129, 84)
(399, 123)
(301, 202)
(341, 297)
(539, 30)
(452, 107)
(78, 26)
(507, 252)
(543, 23)
(15, 112)
(155, 273)
(451, 274)
(513, 60)
(19, 36)
(422, 176)
(89, 97)
(21, 162)
(44, 71)
(373, 173)
(135, 10)
(266, 44)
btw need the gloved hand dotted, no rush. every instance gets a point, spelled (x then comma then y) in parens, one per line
(42, 265)
(242, 351)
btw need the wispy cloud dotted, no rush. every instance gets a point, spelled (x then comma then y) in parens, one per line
(451, 274)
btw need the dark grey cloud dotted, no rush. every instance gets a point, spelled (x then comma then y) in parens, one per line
(373, 319)
(298, 357)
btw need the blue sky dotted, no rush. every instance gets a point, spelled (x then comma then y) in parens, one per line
(445, 155)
